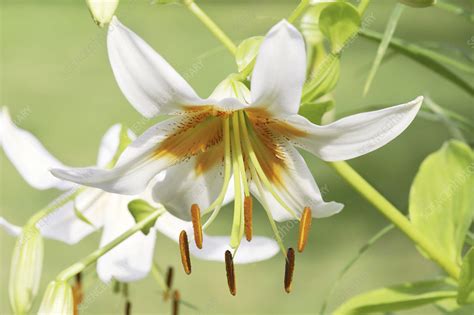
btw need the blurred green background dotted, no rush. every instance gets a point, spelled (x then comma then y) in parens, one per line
(54, 66)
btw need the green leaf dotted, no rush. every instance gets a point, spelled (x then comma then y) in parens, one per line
(140, 210)
(387, 36)
(441, 204)
(310, 23)
(322, 80)
(314, 112)
(339, 22)
(430, 59)
(418, 3)
(398, 297)
(451, 307)
(247, 52)
(466, 280)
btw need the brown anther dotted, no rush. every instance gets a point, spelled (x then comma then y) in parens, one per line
(289, 268)
(77, 293)
(128, 308)
(229, 268)
(184, 249)
(169, 283)
(176, 300)
(196, 218)
(248, 208)
(305, 226)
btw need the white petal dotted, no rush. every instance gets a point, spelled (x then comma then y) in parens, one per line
(214, 247)
(136, 167)
(299, 191)
(280, 70)
(149, 83)
(29, 156)
(64, 225)
(182, 186)
(11, 229)
(110, 144)
(355, 135)
(132, 259)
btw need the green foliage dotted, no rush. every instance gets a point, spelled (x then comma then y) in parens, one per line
(398, 297)
(124, 142)
(441, 201)
(140, 210)
(247, 52)
(322, 80)
(418, 3)
(315, 111)
(466, 280)
(339, 22)
(310, 23)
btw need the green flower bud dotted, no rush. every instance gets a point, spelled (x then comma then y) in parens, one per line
(418, 3)
(25, 270)
(58, 299)
(102, 11)
(310, 22)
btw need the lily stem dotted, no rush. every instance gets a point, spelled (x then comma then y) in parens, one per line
(78, 267)
(394, 215)
(298, 11)
(211, 25)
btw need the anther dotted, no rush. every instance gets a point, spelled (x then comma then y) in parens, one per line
(169, 282)
(196, 218)
(289, 268)
(184, 249)
(77, 293)
(305, 226)
(128, 308)
(248, 208)
(176, 300)
(229, 268)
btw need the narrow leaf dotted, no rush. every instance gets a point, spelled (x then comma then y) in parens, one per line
(398, 297)
(441, 204)
(387, 36)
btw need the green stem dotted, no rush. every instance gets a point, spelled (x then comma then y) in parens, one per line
(78, 267)
(363, 6)
(394, 215)
(298, 11)
(211, 25)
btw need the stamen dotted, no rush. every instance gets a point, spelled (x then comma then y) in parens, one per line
(248, 208)
(229, 268)
(77, 293)
(289, 268)
(184, 249)
(128, 308)
(176, 301)
(196, 218)
(169, 283)
(305, 226)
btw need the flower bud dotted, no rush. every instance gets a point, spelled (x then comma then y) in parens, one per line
(58, 299)
(102, 11)
(25, 270)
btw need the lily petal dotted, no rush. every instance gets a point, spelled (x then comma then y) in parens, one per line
(64, 225)
(10, 228)
(214, 247)
(29, 156)
(297, 188)
(355, 135)
(132, 259)
(149, 83)
(280, 70)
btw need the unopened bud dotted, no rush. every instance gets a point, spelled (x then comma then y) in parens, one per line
(102, 11)
(25, 270)
(58, 299)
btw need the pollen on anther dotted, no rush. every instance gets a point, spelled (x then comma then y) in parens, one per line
(305, 226)
(289, 268)
(184, 249)
(196, 219)
(248, 208)
(229, 268)
(169, 282)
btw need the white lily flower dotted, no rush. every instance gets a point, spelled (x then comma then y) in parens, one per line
(251, 136)
(132, 259)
